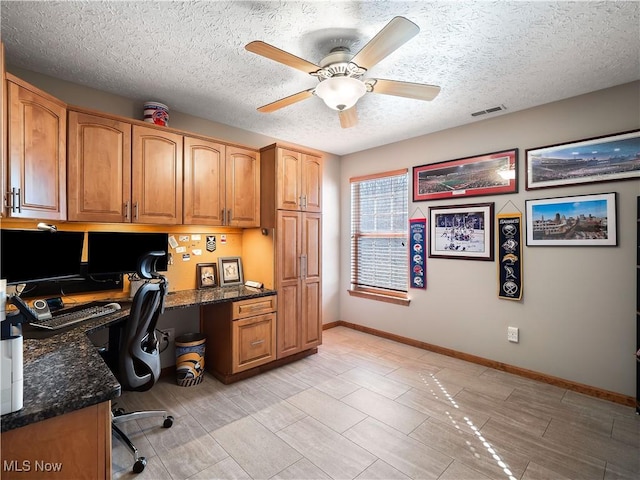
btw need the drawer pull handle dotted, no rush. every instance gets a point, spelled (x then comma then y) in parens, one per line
(257, 342)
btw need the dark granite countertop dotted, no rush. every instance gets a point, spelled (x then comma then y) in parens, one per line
(64, 372)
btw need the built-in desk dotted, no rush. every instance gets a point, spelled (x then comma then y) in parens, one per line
(66, 377)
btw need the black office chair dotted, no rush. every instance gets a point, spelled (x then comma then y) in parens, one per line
(138, 353)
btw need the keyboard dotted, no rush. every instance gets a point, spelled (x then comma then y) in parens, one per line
(76, 316)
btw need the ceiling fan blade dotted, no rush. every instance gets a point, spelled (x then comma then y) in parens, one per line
(349, 117)
(419, 91)
(286, 58)
(397, 32)
(285, 102)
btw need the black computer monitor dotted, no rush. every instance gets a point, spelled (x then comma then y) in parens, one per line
(119, 252)
(30, 256)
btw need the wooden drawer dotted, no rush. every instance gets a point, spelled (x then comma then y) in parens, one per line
(254, 306)
(254, 341)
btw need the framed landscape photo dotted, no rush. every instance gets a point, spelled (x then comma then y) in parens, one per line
(230, 271)
(486, 174)
(583, 220)
(206, 275)
(461, 231)
(599, 159)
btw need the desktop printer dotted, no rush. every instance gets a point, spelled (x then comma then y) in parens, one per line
(11, 356)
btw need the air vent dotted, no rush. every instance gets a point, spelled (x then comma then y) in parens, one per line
(489, 110)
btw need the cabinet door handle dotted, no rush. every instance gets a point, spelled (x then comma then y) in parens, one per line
(135, 211)
(224, 216)
(257, 342)
(304, 201)
(16, 192)
(303, 266)
(127, 212)
(229, 217)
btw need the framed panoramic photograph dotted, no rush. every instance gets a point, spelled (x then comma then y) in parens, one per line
(206, 275)
(599, 159)
(230, 271)
(583, 220)
(461, 231)
(487, 174)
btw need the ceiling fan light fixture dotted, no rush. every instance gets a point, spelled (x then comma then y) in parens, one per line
(340, 93)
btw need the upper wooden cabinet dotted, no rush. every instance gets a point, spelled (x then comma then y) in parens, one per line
(221, 184)
(242, 187)
(37, 132)
(156, 176)
(204, 182)
(123, 172)
(99, 169)
(118, 169)
(120, 172)
(291, 180)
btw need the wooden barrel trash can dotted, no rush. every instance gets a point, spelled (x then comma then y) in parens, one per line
(190, 359)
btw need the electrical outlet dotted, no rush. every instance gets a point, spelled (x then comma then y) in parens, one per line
(512, 334)
(170, 333)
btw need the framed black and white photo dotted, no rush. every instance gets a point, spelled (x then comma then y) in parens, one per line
(206, 275)
(461, 231)
(581, 220)
(230, 271)
(599, 159)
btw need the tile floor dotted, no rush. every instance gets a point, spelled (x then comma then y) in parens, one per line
(370, 408)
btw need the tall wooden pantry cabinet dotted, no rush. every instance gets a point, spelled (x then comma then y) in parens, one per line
(291, 203)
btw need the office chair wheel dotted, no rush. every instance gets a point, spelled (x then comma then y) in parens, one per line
(168, 422)
(118, 411)
(139, 465)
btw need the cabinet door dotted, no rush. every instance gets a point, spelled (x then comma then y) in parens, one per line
(243, 188)
(254, 341)
(3, 128)
(99, 169)
(37, 154)
(289, 171)
(156, 176)
(311, 180)
(204, 182)
(311, 280)
(289, 249)
(77, 444)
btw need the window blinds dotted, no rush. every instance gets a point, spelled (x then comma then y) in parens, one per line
(379, 231)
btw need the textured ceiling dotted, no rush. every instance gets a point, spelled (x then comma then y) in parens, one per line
(191, 56)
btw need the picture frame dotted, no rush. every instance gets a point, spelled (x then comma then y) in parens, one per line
(579, 220)
(230, 269)
(598, 159)
(206, 275)
(462, 231)
(487, 174)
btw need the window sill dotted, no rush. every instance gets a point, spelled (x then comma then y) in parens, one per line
(380, 297)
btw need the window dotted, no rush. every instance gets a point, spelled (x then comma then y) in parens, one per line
(379, 236)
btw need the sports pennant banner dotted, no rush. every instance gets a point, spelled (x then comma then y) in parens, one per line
(417, 248)
(510, 256)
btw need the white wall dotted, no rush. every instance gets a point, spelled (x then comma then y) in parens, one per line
(577, 315)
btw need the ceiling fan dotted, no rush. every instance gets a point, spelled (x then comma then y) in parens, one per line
(340, 72)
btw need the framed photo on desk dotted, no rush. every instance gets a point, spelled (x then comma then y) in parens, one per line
(230, 271)
(206, 275)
